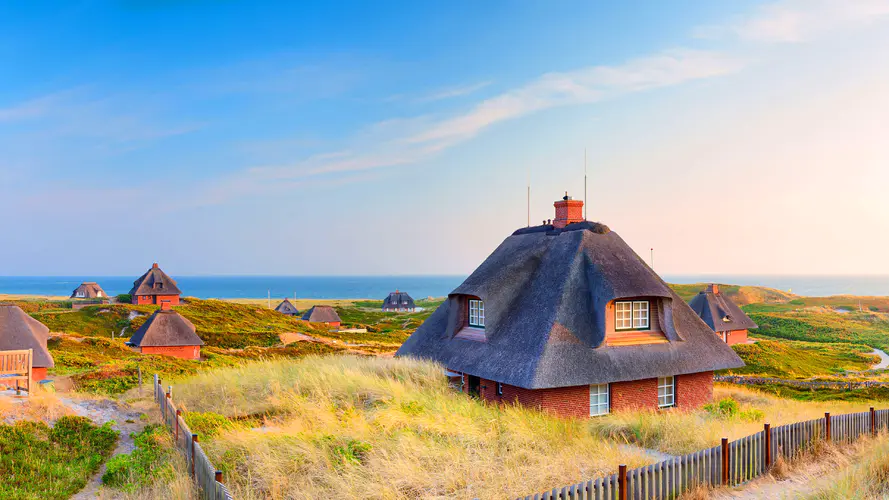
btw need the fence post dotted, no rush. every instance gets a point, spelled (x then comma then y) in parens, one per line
(218, 477)
(622, 482)
(166, 405)
(827, 425)
(724, 461)
(194, 439)
(178, 412)
(873, 421)
(767, 429)
(154, 389)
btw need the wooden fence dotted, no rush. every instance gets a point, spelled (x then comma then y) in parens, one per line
(208, 478)
(17, 369)
(805, 384)
(728, 464)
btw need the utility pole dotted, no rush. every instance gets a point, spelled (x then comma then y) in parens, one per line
(270, 298)
(652, 259)
(585, 206)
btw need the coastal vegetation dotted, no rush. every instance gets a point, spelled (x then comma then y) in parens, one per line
(802, 360)
(51, 462)
(365, 426)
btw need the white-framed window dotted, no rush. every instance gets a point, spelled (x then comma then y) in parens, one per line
(599, 401)
(632, 315)
(476, 313)
(666, 392)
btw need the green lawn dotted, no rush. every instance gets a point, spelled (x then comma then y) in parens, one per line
(38, 461)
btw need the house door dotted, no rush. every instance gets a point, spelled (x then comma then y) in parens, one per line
(474, 383)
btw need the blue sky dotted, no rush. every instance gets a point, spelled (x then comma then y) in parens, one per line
(397, 138)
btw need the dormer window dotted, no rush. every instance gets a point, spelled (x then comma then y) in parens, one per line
(631, 315)
(476, 313)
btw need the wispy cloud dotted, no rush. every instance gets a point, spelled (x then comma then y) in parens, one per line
(452, 92)
(797, 20)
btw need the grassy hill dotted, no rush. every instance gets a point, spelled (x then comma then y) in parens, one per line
(802, 360)
(741, 295)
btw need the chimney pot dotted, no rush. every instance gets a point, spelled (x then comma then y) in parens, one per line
(568, 211)
(713, 288)
(154, 266)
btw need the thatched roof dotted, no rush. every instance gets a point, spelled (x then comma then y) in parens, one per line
(398, 300)
(19, 331)
(155, 282)
(165, 328)
(89, 290)
(322, 314)
(545, 293)
(719, 312)
(287, 307)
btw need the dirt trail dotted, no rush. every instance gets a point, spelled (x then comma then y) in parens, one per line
(100, 411)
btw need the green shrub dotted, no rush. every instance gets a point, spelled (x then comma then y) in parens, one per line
(207, 424)
(150, 461)
(124, 298)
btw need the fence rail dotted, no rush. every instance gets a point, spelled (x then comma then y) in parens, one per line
(807, 384)
(207, 477)
(728, 464)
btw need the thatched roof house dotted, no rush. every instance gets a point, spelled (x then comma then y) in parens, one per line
(287, 307)
(18, 331)
(323, 314)
(89, 290)
(398, 301)
(722, 315)
(567, 317)
(167, 332)
(155, 287)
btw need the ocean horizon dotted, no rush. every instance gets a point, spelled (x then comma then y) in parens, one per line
(419, 286)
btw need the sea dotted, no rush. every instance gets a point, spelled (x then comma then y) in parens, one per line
(378, 287)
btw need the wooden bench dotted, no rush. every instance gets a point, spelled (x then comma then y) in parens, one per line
(16, 367)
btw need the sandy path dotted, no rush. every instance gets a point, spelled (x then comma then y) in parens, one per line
(884, 360)
(101, 411)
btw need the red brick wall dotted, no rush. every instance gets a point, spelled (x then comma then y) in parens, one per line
(155, 299)
(694, 390)
(736, 337)
(634, 395)
(183, 352)
(38, 374)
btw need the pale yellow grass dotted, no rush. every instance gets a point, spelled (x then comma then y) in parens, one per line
(300, 304)
(677, 432)
(348, 427)
(43, 406)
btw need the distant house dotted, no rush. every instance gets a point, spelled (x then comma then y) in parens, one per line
(566, 317)
(722, 315)
(323, 314)
(155, 287)
(287, 307)
(399, 302)
(89, 290)
(18, 331)
(169, 333)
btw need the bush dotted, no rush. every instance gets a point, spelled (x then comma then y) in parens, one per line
(124, 298)
(149, 461)
(728, 408)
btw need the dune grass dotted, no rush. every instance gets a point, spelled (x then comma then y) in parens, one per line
(802, 360)
(391, 428)
(39, 461)
(866, 479)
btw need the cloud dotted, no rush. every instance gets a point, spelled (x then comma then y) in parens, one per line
(454, 92)
(790, 21)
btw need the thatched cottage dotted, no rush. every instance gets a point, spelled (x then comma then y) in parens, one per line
(323, 314)
(566, 317)
(155, 287)
(18, 331)
(398, 301)
(722, 315)
(89, 290)
(169, 333)
(287, 307)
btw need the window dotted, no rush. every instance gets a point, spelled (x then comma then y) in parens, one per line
(631, 315)
(499, 389)
(476, 313)
(666, 392)
(599, 400)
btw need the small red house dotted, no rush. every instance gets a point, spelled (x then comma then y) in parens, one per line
(169, 333)
(155, 287)
(722, 315)
(18, 331)
(323, 314)
(566, 317)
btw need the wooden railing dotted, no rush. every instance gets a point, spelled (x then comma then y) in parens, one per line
(17, 367)
(209, 479)
(728, 464)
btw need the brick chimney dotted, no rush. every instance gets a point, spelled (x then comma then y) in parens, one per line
(154, 266)
(567, 211)
(166, 306)
(713, 288)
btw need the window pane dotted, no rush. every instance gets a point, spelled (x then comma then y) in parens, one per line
(666, 392)
(598, 399)
(640, 314)
(623, 317)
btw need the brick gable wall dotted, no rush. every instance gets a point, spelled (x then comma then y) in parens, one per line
(736, 337)
(694, 390)
(155, 299)
(182, 352)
